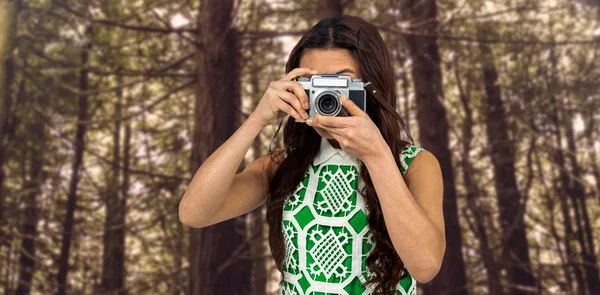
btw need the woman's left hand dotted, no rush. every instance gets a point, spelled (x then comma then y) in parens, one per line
(357, 134)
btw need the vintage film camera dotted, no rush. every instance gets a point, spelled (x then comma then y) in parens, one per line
(323, 93)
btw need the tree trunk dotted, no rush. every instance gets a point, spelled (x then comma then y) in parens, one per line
(572, 187)
(510, 202)
(407, 110)
(32, 188)
(124, 196)
(595, 168)
(591, 124)
(487, 255)
(563, 195)
(9, 12)
(256, 219)
(433, 133)
(570, 234)
(568, 261)
(403, 101)
(215, 264)
(113, 273)
(585, 232)
(82, 118)
(568, 258)
(329, 8)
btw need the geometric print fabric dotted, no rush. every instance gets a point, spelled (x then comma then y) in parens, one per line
(325, 228)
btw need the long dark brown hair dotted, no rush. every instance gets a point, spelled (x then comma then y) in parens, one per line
(302, 142)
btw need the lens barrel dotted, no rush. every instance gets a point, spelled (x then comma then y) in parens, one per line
(328, 104)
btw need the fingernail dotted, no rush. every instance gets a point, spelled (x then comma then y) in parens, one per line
(306, 105)
(309, 122)
(343, 96)
(305, 115)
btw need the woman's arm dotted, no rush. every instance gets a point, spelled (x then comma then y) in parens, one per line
(216, 192)
(211, 183)
(412, 210)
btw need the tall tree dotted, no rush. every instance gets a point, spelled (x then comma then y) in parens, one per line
(113, 255)
(31, 190)
(578, 197)
(510, 203)
(472, 191)
(82, 118)
(124, 189)
(433, 134)
(571, 184)
(257, 218)
(9, 12)
(215, 264)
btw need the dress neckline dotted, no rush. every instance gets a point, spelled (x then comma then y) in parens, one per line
(326, 151)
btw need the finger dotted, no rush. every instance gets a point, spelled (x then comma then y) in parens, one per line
(299, 72)
(284, 107)
(336, 133)
(333, 122)
(288, 103)
(293, 100)
(297, 89)
(352, 108)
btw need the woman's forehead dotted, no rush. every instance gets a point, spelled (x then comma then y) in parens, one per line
(329, 61)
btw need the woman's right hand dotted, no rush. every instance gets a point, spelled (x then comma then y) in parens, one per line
(284, 97)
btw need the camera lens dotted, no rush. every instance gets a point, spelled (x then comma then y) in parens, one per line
(328, 104)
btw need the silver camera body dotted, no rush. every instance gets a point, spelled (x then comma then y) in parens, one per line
(323, 93)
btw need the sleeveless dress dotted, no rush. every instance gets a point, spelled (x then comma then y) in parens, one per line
(325, 228)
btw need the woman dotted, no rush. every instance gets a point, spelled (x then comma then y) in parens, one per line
(346, 214)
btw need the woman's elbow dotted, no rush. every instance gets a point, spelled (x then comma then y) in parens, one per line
(425, 274)
(183, 218)
(426, 271)
(188, 221)
(186, 218)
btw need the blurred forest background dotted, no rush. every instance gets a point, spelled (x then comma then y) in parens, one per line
(107, 108)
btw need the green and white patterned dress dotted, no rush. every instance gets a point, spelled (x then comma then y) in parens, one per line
(325, 228)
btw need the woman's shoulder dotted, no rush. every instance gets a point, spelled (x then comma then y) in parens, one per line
(422, 159)
(408, 153)
(411, 150)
